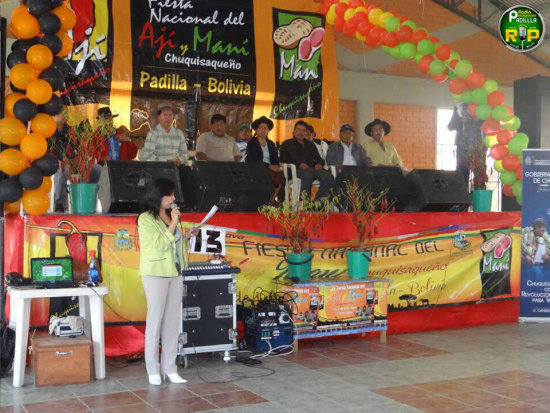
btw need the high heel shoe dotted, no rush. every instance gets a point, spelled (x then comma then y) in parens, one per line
(175, 378)
(155, 379)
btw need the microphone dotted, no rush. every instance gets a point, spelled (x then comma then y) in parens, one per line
(522, 33)
(173, 205)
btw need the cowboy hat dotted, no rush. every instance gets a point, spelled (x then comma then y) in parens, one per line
(166, 105)
(105, 113)
(260, 120)
(385, 125)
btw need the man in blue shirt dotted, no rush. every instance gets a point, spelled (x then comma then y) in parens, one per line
(346, 152)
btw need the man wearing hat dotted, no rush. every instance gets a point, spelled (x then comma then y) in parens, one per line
(165, 142)
(381, 153)
(245, 133)
(216, 145)
(345, 152)
(119, 146)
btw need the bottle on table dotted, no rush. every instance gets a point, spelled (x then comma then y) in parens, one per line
(94, 273)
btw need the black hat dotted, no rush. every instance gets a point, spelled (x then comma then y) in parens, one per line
(105, 113)
(345, 127)
(385, 125)
(261, 120)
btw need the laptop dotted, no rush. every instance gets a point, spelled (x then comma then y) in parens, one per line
(52, 272)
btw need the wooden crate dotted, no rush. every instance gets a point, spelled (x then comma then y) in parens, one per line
(61, 360)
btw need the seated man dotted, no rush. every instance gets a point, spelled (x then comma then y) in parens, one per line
(245, 133)
(305, 156)
(165, 142)
(345, 152)
(216, 145)
(119, 146)
(381, 153)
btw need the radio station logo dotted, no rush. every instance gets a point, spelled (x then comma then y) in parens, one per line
(521, 28)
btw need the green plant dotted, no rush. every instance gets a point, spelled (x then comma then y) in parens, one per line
(298, 226)
(366, 209)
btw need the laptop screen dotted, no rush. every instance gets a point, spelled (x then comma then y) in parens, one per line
(51, 270)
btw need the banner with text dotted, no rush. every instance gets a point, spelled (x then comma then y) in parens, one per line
(535, 240)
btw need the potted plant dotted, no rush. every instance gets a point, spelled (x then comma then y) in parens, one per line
(366, 209)
(481, 196)
(84, 148)
(296, 227)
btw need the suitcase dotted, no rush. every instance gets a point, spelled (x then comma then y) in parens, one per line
(61, 360)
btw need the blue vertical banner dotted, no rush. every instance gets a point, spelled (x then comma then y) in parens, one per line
(535, 240)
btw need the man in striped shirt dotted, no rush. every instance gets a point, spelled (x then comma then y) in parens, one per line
(165, 142)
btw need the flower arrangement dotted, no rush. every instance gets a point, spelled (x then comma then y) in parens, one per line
(366, 208)
(85, 146)
(298, 226)
(476, 157)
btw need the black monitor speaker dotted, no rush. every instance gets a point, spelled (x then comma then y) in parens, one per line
(434, 190)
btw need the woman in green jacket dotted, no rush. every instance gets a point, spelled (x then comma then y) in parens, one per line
(161, 257)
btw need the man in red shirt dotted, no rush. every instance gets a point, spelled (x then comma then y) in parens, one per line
(118, 145)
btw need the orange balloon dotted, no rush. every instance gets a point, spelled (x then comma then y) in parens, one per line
(35, 201)
(24, 25)
(22, 74)
(12, 161)
(43, 124)
(67, 17)
(34, 146)
(39, 91)
(67, 45)
(12, 131)
(12, 207)
(46, 184)
(18, 10)
(10, 101)
(39, 56)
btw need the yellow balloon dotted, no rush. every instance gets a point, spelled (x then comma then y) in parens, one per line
(361, 9)
(34, 146)
(374, 16)
(360, 36)
(35, 201)
(331, 14)
(349, 14)
(383, 18)
(344, 1)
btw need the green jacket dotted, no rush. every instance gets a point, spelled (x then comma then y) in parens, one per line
(156, 244)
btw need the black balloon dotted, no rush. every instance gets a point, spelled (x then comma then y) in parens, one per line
(57, 3)
(14, 58)
(53, 42)
(24, 44)
(53, 106)
(10, 190)
(16, 89)
(49, 23)
(38, 7)
(48, 164)
(53, 77)
(31, 178)
(61, 65)
(24, 110)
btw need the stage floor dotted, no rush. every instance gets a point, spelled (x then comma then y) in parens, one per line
(500, 367)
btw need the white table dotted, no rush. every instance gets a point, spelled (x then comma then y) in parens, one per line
(90, 305)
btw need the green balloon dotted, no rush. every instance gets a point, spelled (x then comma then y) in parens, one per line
(463, 69)
(519, 199)
(451, 74)
(517, 188)
(518, 143)
(407, 50)
(479, 96)
(508, 177)
(410, 23)
(417, 57)
(490, 86)
(500, 112)
(394, 52)
(511, 123)
(423, 28)
(457, 97)
(392, 24)
(498, 166)
(487, 141)
(425, 47)
(386, 49)
(467, 96)
(483, 111)
(454, 55)
(437, 67)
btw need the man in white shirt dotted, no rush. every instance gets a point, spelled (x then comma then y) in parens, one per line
(165, 142)
(216, 145)
(345, 152)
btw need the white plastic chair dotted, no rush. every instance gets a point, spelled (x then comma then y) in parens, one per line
(292, 181)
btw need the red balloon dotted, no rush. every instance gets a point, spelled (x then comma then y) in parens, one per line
(324, 8)
(339, 23)
(377, 32)
(475, 80)
(360, 17)
(356, 3)
(364, 28)
(440, 78)
(519, 173)
(372, 41)
(404, 33)
(510, 162)
(341, 9)
(350, 27)
(403, 19)
(490, 126)
(498, 151)
(504, 136)
(495, 98)
(510, 110)
(472, 109)
(507, 190)
(443, 51)
(389, 39)
(453, 63)
(435, 40)
(424, 63)
(457, 86)
(418, 35)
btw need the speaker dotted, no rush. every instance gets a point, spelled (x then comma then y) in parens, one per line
(232, 186)
(434, 190)
(122, 184)
(377, 179)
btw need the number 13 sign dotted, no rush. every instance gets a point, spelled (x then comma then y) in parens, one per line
(209, 240)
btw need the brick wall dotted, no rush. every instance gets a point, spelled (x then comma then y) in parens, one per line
(413, 133)
(347, 114)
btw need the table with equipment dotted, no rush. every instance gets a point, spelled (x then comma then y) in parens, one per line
(90, 307)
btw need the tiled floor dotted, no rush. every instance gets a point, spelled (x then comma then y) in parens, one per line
(496, 368)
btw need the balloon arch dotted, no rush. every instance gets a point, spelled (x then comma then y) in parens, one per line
(37, 70)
